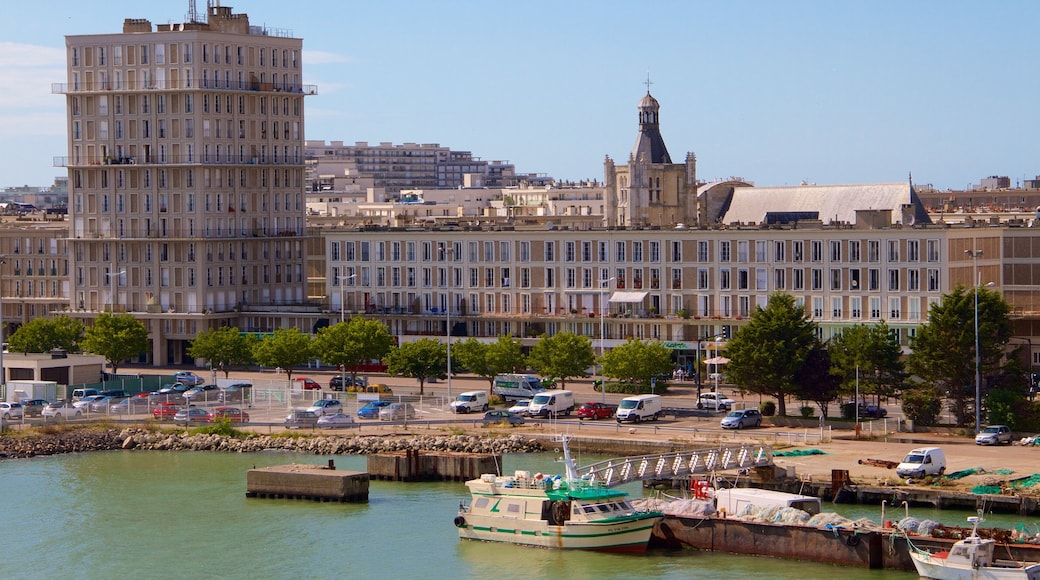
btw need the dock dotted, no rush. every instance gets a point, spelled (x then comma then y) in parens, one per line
(411, 465)
(307, 481)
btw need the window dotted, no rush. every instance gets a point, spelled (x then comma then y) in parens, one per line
(816, 249)
(703, 279)
(655, 251)
(677, 251)
(743, 251)
(797, 251)
(873, 279)
(933, 280)
(913, 251)
(779, 251)
(893, 280)
(836, 313)
(724, 251)
(817, 307)
(637, 251)
(835, 278)
(873, 251)
(760, 251)
(779, 279)
(913, 280)
(816, 278)
(725, 283)
(855, 307)
(798, 283)
(835, 247)
(854, 249)
(619, 251)
(702, 251)
(742, 279)
(875, 308)
(932, 247)
(894, 309)
(893, 251)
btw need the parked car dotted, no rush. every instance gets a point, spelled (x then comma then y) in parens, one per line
(496, 416)
(371, 409)
(376, 388)
(34, 407)
(102, 404)
(127, 406)
(337, 382)
(191, 415)
(306, 384)
(165, 410)
(336, 421)
(173, 389)
(742, 418)
(116, 393)
(865, 410)
(397, 412)
(715, 401)
(994, 435)
(238, 392)
(234, 414)
(594, 410)
(326, 407)
(11, 411)
(201, 393)
(188, 378)
(61, 410)
(85, 403)
(301, 418)
(520, 408)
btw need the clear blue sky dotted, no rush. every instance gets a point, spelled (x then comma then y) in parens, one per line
(774, 91)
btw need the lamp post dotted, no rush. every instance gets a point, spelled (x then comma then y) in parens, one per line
(602, 332)
(978, 378)
(114, 294)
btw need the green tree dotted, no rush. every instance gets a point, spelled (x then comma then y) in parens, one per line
(421, 360)
(47, 334)
(815, 380)
(117, 337)
(637, 362)
(564, 355)
(943, 354)
(767, 353)
(354, 342)
(875, 351)
(922, 405)
(223, 348)
(285, 349)
(488, 360)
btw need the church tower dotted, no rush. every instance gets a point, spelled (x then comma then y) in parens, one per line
(650, 190)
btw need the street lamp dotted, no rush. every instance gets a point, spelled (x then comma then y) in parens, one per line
(697, 372)
(602, 331)
(978, 380)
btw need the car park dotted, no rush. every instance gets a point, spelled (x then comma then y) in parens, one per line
(594, 410)
(11, 411)
(371, 409)
(520, 408)
(994, 435)
(232, 414)
(60, 410)
(397, 412)
(501, 416)
(336, 421)
(301, 418)
(741, 418)
(306, 384)
(191, 415)
(34, 407)
(326, 407)
(165, 410)
(188, 378)
(237, 393)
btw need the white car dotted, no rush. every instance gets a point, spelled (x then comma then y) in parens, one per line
(61, 411)
(188, 378)
(715, 401)
(83, 405)
(11, 411)
(323, 407)
(520, 408)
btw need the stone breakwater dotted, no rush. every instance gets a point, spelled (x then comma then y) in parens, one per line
(104, 440)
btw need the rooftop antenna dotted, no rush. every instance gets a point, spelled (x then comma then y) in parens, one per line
(193, 12)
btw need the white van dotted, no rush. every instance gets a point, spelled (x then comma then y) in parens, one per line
(78, 394)
(639, 408)
(470, 401)
(551, 404)
(512, 386)
(735, 500)
(921, 462)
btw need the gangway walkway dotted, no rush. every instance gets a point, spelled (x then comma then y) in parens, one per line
(677, 464)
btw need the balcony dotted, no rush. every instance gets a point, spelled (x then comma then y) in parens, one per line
(184, 234)
(208, 84)
(170, 160)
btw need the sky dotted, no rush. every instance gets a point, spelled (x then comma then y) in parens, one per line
(777, 92)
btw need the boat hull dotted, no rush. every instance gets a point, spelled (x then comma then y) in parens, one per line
(631, 535)
(929, 566)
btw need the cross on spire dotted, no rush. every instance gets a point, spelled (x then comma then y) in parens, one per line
(648, 83)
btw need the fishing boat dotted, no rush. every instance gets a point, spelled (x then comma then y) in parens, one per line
(971, 559)
(556, 512)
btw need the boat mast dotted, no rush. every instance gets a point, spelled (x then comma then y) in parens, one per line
(570, 469)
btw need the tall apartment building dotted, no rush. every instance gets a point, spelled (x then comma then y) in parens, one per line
(186, 173)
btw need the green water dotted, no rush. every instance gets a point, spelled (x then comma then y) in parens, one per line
(185, 515)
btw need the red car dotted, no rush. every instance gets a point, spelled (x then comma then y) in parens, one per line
(591, 410)
(165, 410)
(306, 384)
(235, 414)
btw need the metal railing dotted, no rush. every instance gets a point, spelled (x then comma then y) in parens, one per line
(209, 84)
(622, 470)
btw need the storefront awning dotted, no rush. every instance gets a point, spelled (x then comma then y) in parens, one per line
(627, 297)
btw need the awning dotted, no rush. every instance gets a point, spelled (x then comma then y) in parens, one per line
(628, 297)
(716, 360)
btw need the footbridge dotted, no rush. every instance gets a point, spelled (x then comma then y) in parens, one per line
(677, 464)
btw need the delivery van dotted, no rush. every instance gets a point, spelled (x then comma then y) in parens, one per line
(922, 462)
(513, 386)
(639, 408)
(551, 404)
(470, 401)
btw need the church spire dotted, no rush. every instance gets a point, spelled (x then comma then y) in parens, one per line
(649, 144)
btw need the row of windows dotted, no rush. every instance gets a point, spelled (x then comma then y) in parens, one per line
(216, 53)
(211, 178)
(146, 104)
(216, 276)
(164, 252)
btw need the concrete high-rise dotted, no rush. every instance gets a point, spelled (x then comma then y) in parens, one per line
(186, 174)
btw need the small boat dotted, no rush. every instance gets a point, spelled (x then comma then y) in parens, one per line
(971, 559)
(554, 512)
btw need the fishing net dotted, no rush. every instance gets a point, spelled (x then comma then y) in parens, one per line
(798, 453)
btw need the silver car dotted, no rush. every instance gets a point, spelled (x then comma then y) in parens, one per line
(397, 412)
(994, 435)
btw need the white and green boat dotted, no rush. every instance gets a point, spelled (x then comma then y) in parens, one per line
(554, 512)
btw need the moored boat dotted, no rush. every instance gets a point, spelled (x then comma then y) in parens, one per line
(555, 512)
(971, 559)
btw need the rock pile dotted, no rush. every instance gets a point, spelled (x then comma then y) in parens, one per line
(135, 438)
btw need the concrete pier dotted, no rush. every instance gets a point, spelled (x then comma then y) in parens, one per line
(412, 465)
(305, 481)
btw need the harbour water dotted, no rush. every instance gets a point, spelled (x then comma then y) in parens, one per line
(185, 515)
